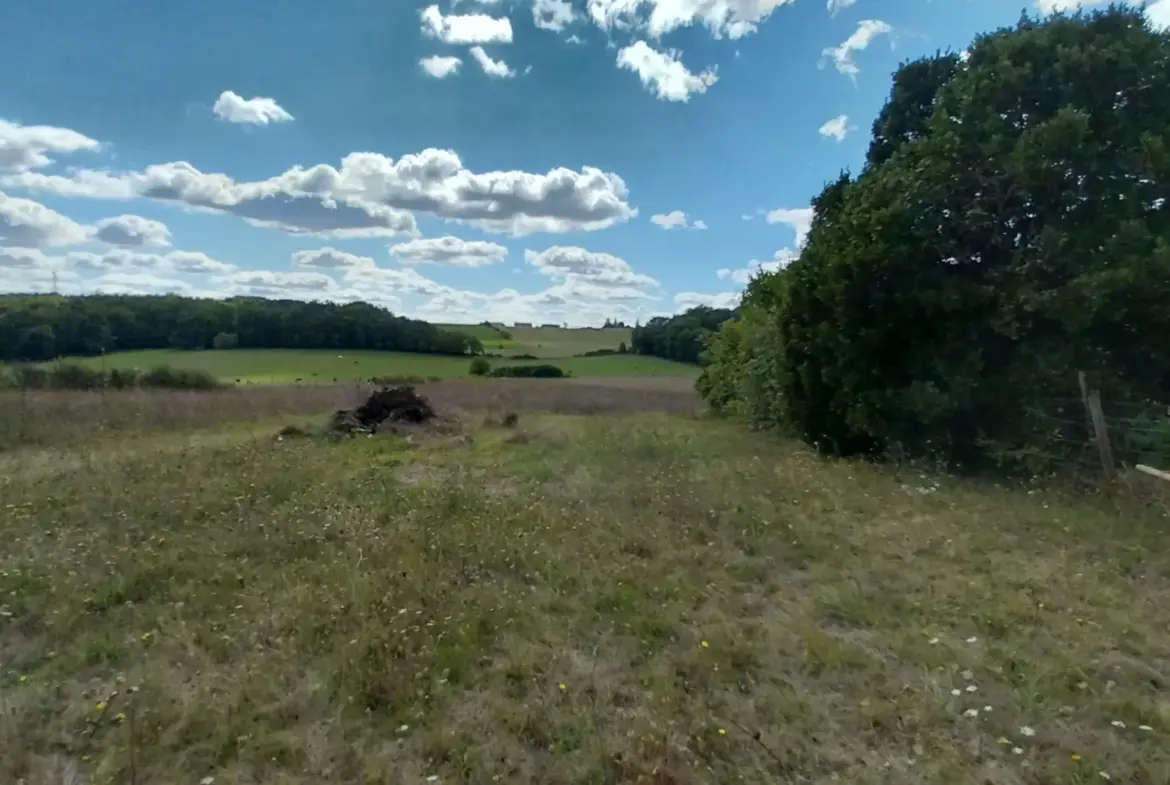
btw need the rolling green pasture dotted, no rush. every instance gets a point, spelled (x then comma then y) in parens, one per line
(546, 342)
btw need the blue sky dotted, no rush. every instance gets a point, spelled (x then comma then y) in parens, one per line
(546, 160)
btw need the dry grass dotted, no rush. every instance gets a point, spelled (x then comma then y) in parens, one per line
(54, 417)
(637, 598)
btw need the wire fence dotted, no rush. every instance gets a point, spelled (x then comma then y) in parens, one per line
(1123, 435)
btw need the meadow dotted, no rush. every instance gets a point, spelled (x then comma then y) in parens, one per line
(327, 366)
(547, 342)
(617, 589)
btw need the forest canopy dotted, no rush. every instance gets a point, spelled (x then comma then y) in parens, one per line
(34, 328)
(682, 337)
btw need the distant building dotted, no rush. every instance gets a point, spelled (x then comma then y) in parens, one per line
(522, 324)
(546, 324)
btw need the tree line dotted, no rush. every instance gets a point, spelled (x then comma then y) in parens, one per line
(35, 328)
(1008, 231)
(682, 337)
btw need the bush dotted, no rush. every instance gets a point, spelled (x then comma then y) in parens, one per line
(169, 378)
(480, 367)
(73, 376)
(529, 372)
(524, 356)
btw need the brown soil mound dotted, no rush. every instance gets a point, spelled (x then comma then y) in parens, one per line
(399, 404)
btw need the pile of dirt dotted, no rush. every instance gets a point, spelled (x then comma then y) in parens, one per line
(398, 404)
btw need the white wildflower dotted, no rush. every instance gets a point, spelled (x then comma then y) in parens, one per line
(1118, 724)
(1017, 750)
(971, 713)
(1026, 731)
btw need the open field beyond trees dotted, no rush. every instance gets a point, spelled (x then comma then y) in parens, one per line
(546, 342)
(322, 366)
(614, 590)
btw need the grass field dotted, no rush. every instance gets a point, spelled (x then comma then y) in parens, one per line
(547, 342)
(619, 597)
(328, 366)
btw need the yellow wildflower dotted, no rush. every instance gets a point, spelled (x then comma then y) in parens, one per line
(101, 706)
(703, 644)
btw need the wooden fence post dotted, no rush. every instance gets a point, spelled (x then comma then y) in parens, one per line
(1100, 431)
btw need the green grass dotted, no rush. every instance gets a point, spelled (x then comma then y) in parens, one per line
(547, 342)
(619, 598)
(320, 366)
(480, 331)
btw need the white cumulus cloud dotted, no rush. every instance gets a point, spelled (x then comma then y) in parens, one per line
(663, 73)
(676, 219)
(28, 224)
(132, 231)
(578, 266)
(465, 28)
(186, 262)
(800, 219)
(742, 275)
(449, 251)
(837, 128)
(369, 195)
(723, 18)
(494, 68)
(440, 67)
(251, 111)
(553, 15)
(331, 259)
(838, 5)
(842, 55)
(24, 147)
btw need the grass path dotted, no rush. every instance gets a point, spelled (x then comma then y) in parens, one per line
(635, 598)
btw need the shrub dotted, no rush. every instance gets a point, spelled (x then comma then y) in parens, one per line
(480, 367)
(73, 376)
(524, 356)
(166, 377)
(529, 372)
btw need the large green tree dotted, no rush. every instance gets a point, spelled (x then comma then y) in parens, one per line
(1009, 230)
